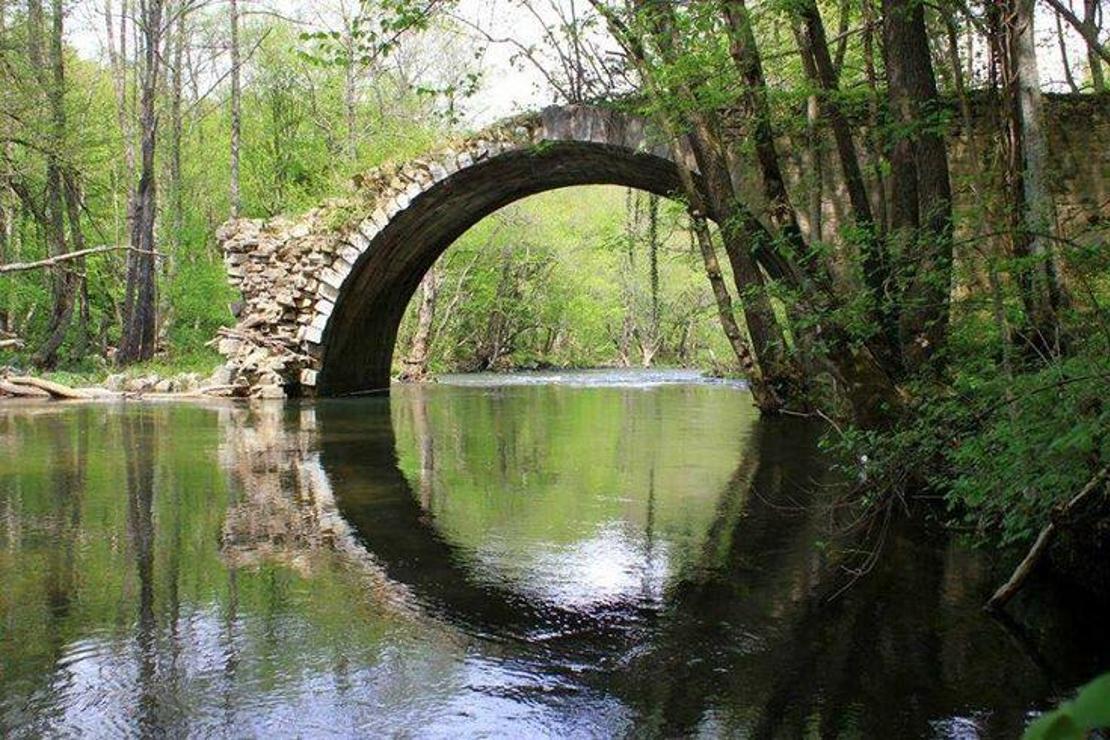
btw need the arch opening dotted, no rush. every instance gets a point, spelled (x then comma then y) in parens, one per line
(359, 339)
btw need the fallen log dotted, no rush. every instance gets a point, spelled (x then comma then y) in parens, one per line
(56, 390)
(21, 391)
(1017, 579)
(10, 343)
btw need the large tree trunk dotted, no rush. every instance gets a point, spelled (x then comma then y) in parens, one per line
(921, 194)
(140, 308)
(1039, 209)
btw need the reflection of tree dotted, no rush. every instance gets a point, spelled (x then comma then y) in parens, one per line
(745, 634)
(69, 447)
(137, 433)
(780, 652)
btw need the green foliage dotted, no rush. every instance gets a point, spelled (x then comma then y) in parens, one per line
(556, 280)
(293, 155)
(1074, 720)
(1002, 452)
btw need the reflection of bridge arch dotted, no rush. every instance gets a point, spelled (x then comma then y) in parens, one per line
(289, 463)
(768, 642)
(382, 508)
(358, 451)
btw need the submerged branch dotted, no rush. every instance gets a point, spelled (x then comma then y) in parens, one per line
(1010, 588)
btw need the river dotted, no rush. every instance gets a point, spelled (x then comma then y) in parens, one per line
(579, 554)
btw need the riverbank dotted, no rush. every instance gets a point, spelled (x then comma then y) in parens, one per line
(138, 384)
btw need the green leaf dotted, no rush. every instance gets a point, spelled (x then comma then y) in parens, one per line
(1090, 710)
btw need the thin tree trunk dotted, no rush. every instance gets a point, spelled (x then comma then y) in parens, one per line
(1094, 59)
(1062, 43)
(762, 392)
(1008, 590)
(79, 284)
(415, 364)
(233, 197)
(62, 281)
(876, 269)
(746, 58)
(650, 346)
(742, 235)
(815, 168)
(177, 205)
(874, 118)
(6, 213)
(140, 309)
(349, 102)
(118, 63)
(1033, 210)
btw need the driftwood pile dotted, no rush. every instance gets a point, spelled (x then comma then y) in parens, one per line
(122, 387)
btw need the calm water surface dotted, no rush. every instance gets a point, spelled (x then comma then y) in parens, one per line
(583, 554)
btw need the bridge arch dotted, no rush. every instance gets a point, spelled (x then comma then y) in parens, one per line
(323, 301)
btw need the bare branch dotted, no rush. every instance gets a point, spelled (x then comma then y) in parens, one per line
(1082, 28)
(60, 258)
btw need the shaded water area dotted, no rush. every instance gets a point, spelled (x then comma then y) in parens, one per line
(587, 554)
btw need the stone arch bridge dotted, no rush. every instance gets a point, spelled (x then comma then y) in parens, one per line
(323, 294)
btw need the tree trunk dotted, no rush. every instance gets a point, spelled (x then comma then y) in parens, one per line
(349, 102)
(140, 307)
(1094, 59)
(649, 346)
(1040, 210)
(63, 281)
(823, 72)
(415, 365)
(233, 197)
(921, 203)
(1032, 211)
(1062, 44)
(763, 393)
(177, 205)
